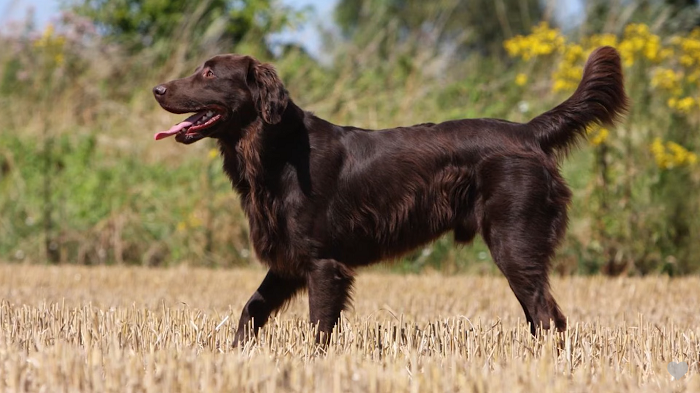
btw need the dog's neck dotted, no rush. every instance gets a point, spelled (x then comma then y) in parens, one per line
(252, 161)
(244, 152)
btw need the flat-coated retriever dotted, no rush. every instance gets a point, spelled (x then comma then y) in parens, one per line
(323, 199)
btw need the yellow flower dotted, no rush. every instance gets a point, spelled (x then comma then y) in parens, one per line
(51, 45)
(520, 79)
(638, 43)
(573, 53)
(213, 153)
(181, 226)
(45, 38)
(194, 221)
(569, 71)
(686, 104)
(601, 137)
(683, 105)
(694, 76)
(666, 79)
(692, 159)
(687, 60)
(687, 48)
(659, 152)
(597, 40)
(665, 53)
(652, 48)
(598, 136)
(671, 154)
(541, 42)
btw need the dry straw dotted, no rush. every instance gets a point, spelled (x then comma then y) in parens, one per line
(149, 330)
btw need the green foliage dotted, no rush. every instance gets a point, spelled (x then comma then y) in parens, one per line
(467, 25)
(113, 210)
(82, 181)
(139, 24)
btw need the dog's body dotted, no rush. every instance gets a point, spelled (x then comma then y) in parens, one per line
(323, 199)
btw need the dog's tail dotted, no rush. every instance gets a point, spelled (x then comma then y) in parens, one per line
(600, 98)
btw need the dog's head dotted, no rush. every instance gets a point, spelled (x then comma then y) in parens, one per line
(225, 93)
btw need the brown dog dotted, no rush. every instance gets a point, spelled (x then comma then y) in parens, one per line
(323, 199)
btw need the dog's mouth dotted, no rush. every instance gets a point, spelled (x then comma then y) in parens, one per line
(193, 128)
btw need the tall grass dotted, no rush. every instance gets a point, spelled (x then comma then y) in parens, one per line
(83, 181)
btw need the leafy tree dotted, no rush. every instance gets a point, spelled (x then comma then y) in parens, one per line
(142, 23)
(681, 3)
(685, 13)
(474, 24)
(677, 15)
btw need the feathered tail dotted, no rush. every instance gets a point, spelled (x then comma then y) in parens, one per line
(600, 98)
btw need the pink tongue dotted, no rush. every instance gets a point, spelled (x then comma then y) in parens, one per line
(180, 126)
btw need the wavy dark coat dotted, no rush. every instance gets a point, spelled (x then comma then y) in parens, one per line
(324, 199)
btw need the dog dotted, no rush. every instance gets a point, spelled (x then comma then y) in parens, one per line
(323, 199)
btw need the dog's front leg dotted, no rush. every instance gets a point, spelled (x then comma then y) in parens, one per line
(329, 284)
(274, 291)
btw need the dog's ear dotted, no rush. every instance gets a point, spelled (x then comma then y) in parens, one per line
(268, 92)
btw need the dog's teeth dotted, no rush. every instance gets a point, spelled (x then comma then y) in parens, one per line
(210, 114)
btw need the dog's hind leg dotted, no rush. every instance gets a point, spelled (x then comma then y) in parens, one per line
(524, 216)
(273, 293)
(524, 260)
(329, 283)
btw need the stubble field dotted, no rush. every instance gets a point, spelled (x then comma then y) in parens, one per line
(125, 329)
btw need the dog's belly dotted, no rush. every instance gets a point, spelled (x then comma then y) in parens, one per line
(386, 228)
(361, 249)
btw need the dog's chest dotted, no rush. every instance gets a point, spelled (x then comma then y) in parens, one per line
(276, 240)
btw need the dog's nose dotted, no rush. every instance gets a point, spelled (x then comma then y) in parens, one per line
(159, 90)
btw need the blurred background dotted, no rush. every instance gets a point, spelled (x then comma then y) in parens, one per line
(83, 182)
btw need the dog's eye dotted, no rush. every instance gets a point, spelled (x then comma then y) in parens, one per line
(208, 73)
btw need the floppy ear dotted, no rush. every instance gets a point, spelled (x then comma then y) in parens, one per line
(269, 94)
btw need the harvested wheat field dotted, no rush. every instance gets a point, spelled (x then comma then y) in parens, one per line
(124, 329)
